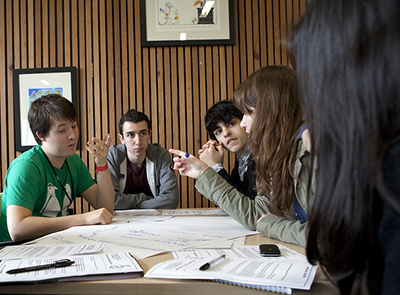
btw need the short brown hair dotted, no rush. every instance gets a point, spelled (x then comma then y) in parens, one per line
(48, 109)
(133, 116)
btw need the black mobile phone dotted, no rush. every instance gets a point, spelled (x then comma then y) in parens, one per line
(269, 250)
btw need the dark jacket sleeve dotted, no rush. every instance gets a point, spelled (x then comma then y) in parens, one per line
(246, 186)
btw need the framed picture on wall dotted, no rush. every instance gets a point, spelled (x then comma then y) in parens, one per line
(31, 84)
(187, 22)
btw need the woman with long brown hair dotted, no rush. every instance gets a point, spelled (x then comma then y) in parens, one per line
(273, 118)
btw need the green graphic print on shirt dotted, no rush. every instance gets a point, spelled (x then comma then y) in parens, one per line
(31, 183)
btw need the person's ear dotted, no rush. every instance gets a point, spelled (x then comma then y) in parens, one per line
(121, 138)
(149, 134)
(41, 137)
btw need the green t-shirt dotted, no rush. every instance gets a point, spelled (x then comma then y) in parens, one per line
(31, 183)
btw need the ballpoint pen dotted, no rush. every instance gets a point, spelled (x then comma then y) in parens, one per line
(212, 262)
(57, 263)
(186, 155)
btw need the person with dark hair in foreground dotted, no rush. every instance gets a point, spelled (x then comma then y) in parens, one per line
(347, 56)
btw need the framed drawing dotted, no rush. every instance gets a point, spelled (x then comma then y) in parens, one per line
(187, 22)
(29, 85)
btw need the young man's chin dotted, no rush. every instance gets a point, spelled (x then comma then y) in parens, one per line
(233, 150)
(71, 152)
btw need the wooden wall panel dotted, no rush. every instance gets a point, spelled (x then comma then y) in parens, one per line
(8, 154)
(4, 73)
(173, 85)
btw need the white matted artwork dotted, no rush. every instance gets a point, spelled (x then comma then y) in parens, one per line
(187, 22)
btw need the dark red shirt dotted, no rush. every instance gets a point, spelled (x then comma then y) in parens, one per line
(136, 181)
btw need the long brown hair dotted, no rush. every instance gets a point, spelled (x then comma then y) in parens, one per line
(272, 92)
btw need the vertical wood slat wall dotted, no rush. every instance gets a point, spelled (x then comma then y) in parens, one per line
(173, 85)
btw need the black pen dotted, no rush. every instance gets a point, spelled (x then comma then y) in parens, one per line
(57, 263)
(212, 262)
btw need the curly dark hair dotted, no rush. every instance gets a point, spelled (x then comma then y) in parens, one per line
(223, 111)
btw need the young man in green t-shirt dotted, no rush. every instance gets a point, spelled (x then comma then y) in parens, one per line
(43, 181)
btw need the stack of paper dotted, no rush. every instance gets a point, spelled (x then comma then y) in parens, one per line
(30, 251)
(84, 267)
(243, 266)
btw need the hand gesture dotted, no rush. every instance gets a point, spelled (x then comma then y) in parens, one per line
(191, 166)
(212, 153)
(99, 149)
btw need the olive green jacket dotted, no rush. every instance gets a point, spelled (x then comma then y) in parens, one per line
(247, 211)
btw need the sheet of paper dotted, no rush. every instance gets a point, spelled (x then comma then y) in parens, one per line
(145, 238)
(136, 212)
(159, 218)
(225, 244)
(182, 212)
(126, 215)
(217, 244)
(48, 250)
(286, 273)
(248, 252)
(239, 241)
(99, 264)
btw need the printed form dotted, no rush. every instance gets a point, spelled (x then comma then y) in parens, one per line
(84, 265)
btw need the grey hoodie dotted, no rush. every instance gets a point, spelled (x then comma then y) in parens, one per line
(160, 176)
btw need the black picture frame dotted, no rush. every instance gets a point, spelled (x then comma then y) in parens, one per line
(153, 33)
(43, 80)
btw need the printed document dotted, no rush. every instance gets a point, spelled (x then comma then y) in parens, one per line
(85, 265)
(242, 266)
(49, 250)
(245, 251)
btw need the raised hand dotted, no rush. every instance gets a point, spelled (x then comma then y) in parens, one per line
(99, 149)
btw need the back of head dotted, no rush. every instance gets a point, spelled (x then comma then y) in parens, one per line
(133, 116)
(347, 58)
(223, 111)
(346, 53)
(47, 110)
(272, 92)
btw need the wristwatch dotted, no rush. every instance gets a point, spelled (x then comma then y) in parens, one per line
(217, 167)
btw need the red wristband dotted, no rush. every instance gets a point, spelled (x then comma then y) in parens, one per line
(101, 168)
